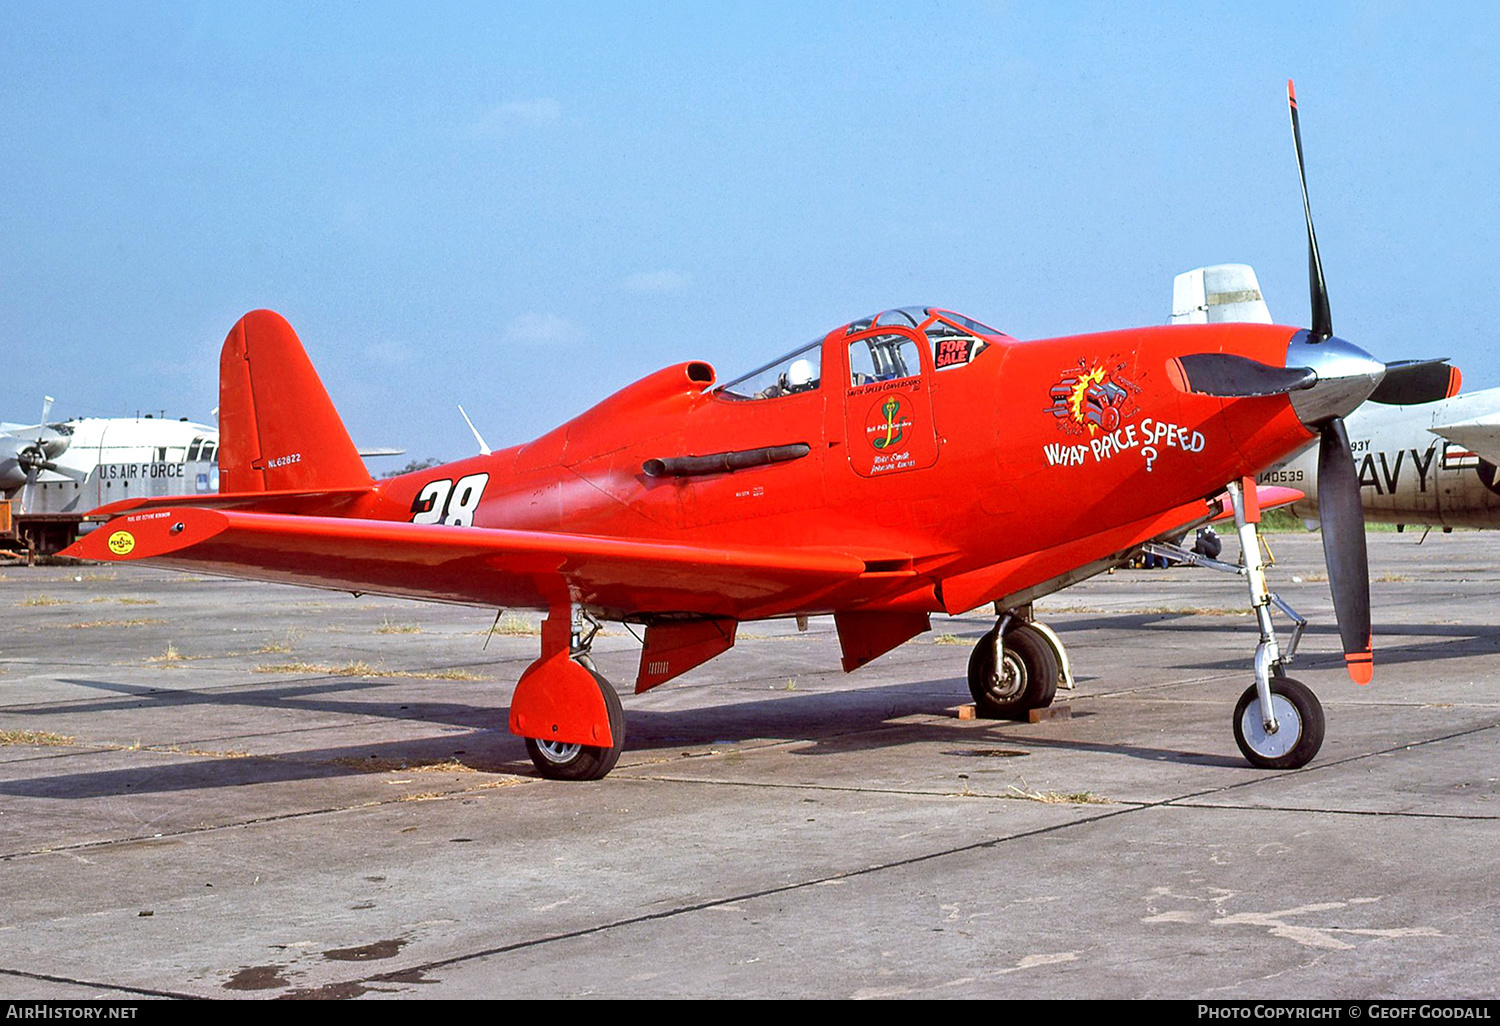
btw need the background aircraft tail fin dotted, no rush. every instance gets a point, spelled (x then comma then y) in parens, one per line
(1212, 295)
(278, 429)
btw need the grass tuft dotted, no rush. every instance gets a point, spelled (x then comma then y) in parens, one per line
(1058, 797)
(279, 646)
(169, 658)
(34, 737)
(359, 668)
(511, 625)
(378, 764)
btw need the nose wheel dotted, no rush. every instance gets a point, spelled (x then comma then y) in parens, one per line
(1298, 716)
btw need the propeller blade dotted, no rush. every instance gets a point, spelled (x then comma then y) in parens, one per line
(31, 473)
(70, 473)
(1236, 377)
(1343, 520)
(47, 402)
(1417, 381)
(1322, 317)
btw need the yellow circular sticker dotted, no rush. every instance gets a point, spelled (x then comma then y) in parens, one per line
(121, 542)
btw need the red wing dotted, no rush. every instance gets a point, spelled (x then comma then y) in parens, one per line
(500, 568)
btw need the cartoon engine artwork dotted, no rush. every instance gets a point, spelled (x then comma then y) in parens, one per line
(1088, 399)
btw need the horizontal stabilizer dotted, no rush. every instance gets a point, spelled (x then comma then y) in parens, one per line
(315, 502)
(1265, 497)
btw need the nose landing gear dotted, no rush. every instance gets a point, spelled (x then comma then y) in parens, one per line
(1278, 721)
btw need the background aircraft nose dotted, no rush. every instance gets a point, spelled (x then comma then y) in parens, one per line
(1347, 375)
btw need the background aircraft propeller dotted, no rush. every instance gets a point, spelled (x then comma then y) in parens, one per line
(21, 460)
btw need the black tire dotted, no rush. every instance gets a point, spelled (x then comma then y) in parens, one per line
(1028, 680)
(583, 762)
(1299, 735)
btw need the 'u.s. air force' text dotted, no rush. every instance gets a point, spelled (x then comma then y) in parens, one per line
(139, 471)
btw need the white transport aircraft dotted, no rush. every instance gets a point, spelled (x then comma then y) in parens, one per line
(52, 473)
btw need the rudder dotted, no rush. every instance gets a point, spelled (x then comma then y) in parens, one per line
(278, 430)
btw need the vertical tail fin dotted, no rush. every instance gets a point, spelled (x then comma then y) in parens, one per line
(278, 429)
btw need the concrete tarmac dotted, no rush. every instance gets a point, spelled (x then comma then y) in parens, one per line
(218, 788)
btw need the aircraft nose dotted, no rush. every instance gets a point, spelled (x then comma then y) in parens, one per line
(1346, 377)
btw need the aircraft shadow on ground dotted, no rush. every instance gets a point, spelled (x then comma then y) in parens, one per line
(830, 723)
(1394, 643)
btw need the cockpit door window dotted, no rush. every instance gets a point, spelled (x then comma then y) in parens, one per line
(887, 404)
(883, 357)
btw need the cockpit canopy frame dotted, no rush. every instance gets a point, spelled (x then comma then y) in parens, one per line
(955, 340)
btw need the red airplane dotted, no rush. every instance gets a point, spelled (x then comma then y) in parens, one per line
(910, 463)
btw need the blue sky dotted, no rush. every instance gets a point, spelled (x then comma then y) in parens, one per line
(522, 207)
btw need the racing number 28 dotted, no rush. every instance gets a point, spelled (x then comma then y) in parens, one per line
(443, 502)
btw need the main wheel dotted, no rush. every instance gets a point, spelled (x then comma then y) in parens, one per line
(1299, 726)
(1026, 678)
(557, 761)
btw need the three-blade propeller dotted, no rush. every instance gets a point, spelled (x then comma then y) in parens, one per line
(1340, 510)
(1348, 376)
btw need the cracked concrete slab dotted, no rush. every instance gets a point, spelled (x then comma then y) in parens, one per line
(318, 797)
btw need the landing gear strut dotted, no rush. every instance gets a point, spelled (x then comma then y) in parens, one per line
(1278, 721)
(1277, 725)
(1011, 677)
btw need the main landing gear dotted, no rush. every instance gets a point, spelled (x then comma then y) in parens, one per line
(1278, 721)
(1008, 679)
(567, 712)
(559, 760)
